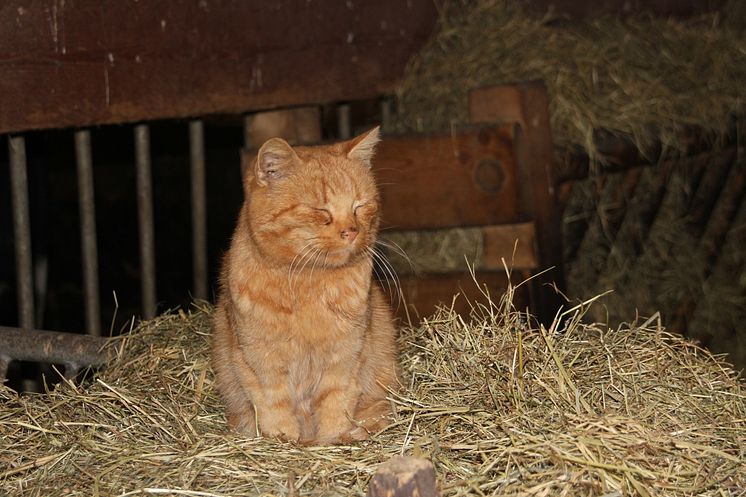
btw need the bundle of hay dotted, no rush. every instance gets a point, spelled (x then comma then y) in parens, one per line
(640, 77)
(499, 407)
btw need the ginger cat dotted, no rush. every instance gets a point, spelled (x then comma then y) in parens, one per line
(304, 342)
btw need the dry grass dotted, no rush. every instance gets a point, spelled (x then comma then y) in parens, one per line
(501, 408)
(642, 77)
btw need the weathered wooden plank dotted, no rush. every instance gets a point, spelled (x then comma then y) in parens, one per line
(80, 63)
(448, 250)
(466, 178)
(513, 243)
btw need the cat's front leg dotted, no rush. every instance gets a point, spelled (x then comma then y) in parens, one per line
(335, 407)
(275, 413)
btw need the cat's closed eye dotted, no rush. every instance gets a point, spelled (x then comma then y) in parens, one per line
(323, 216)
(364, 208)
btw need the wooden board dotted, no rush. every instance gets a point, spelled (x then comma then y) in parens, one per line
(66, 64)
(466, 178)
(515, 244)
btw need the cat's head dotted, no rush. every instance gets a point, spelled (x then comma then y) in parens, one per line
(316, 206)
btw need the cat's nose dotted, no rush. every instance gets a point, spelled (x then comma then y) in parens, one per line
(349, 234)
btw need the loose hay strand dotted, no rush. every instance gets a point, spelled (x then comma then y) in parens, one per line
(501, 408)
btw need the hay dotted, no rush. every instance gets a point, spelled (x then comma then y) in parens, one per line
(687, 261)
(500, 408)
(640, 77)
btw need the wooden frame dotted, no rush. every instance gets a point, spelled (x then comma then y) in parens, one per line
(78, 64)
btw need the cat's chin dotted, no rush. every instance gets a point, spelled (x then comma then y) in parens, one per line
(342, 257)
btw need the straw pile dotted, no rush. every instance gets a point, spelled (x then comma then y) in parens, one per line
(499, 407)
(640, 77)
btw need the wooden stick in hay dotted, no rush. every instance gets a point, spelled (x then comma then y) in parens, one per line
(404, 477)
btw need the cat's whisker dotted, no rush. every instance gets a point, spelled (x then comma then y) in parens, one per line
(305, 257)
(392, 277)
(311, 254)
(396, 283)
(395, 277)
(316, 259)
(305, 254)
(293, 262)
(383, 278)
(398, 249)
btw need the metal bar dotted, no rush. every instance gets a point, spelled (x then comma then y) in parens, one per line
(145, 220)
(386, 115)
(344, 126)
(199, 208)
(89, 248)
(4, 362)
(247, 120)
(21, 230)
(53, 347)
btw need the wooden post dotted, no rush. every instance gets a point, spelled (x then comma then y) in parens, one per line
(404, 477)
(527, 105)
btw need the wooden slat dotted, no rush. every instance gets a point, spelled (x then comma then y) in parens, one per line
(447, 250)
(80, 63)
(466, 178)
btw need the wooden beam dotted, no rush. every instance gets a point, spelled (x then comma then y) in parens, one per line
(74, 64)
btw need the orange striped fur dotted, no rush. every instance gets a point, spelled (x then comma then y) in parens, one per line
(304, 343)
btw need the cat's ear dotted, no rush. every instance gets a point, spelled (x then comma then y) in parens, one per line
(274, 160)
(362, 147)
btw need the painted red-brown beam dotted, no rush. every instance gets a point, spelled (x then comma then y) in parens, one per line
(80, 63)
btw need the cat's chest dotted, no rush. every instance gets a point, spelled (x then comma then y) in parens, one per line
(321, 306)
(332, 308)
